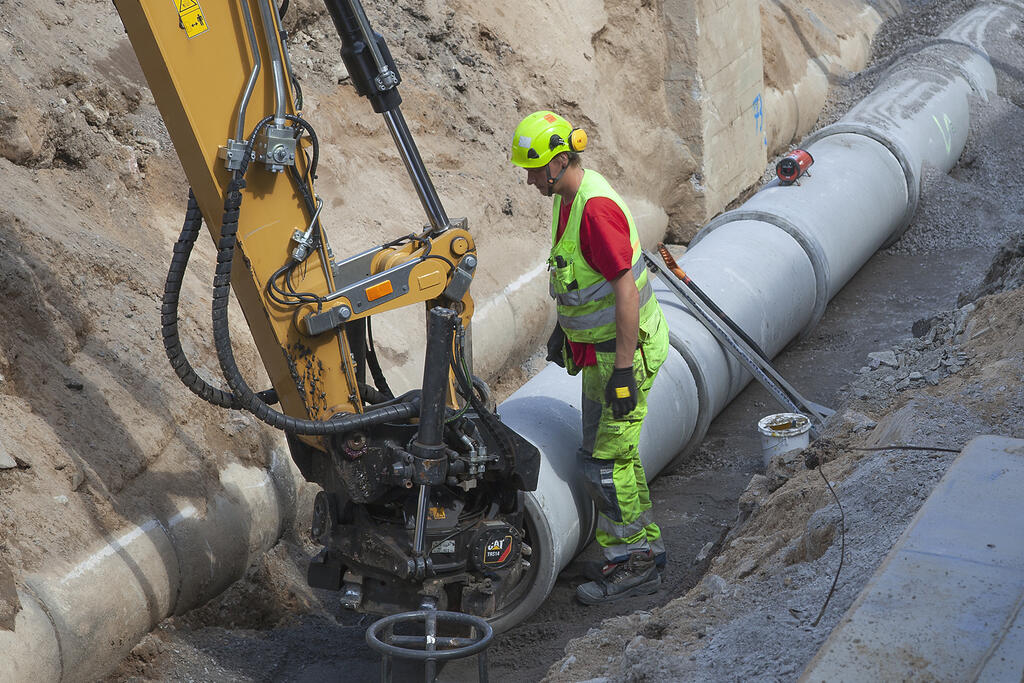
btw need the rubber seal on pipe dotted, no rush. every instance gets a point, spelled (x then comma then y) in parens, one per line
(175, 593)
(910, 172)
(705, 412)
(810, 245)
(545, 573)
(937, 49)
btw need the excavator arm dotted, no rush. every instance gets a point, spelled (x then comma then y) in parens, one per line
(420, 489)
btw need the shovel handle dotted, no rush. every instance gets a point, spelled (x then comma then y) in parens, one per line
(671, 263)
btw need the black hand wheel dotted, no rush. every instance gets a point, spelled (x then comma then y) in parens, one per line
(429, 648)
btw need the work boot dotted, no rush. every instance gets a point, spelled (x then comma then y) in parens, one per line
(596, 571)
(638, 575)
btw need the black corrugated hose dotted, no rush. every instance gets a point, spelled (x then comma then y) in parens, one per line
(169, 312)
(169, 316)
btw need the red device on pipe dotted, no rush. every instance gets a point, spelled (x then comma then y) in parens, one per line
(792, 166)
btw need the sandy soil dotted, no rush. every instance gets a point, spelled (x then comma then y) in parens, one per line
(103, 433)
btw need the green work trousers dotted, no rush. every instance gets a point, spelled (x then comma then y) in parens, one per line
(610, 458)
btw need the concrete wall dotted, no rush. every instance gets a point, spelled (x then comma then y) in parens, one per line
(747, 78)
(732, 124)
(807, 49)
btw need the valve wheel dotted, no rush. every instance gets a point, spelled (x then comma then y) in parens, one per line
(430, 648)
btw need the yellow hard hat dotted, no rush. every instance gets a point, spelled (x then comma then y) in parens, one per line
(542, 135)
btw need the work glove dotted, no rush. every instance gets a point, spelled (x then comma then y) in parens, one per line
(620, 392)
(556, 346)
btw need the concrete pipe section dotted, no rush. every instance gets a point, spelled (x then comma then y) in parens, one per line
(79, 619)
(772, 265)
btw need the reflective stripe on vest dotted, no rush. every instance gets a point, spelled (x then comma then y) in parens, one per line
(585, 299)
(578, 297)
(601, 317)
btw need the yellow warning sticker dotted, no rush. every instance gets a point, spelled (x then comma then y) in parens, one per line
(190, 17)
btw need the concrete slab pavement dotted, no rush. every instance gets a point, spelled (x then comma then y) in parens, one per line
(946, 604)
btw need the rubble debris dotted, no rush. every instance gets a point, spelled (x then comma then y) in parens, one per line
(704, 551)
(883, 358)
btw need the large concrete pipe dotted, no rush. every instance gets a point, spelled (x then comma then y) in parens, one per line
(772, 265)
(78, 619)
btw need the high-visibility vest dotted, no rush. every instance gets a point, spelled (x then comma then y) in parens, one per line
(584, 299)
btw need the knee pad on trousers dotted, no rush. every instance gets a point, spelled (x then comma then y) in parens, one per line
(598, 479)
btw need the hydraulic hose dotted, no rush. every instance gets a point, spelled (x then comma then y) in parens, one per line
(222, 338)
(169, 317)
(169, 312)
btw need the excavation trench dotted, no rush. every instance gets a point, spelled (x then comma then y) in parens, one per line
(696, 504)
(772, 265)
(820, 268)
(696, 501)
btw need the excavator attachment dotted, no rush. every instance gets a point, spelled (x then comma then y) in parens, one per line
(422, 501)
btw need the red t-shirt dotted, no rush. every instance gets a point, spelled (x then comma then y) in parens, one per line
(604, 241)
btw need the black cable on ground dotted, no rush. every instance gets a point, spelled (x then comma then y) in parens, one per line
(811, 458)
(907, 447)
(813, 462)
(842, 545)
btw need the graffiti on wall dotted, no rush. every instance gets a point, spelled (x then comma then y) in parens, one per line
(759, 126)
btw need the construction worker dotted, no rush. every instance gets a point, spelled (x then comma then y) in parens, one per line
(612, 330)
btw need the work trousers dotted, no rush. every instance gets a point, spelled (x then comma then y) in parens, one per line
(610, 457)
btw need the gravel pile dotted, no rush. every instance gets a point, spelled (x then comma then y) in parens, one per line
(936, 350)
(934, 354)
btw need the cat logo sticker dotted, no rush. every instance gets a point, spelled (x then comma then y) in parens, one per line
(498, 550)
